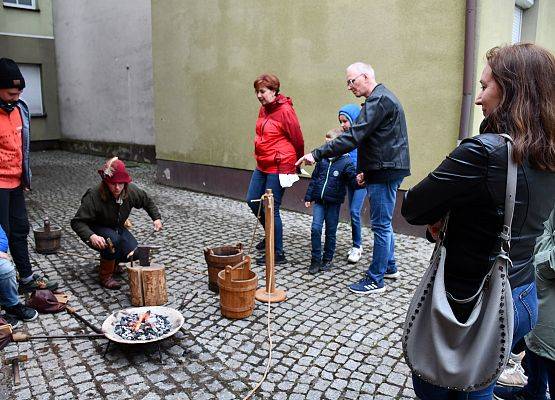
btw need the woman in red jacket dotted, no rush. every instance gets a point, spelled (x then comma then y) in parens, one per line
(278, 144)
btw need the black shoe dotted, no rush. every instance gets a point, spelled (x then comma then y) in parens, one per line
(327, 265)
(13, 321)
(22, 312)
(261, 246)
(315, 266)
(279, 259)
(38, 282)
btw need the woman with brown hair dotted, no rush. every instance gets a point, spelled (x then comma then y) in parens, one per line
(100, 220)
(517, 97)
(278, 143)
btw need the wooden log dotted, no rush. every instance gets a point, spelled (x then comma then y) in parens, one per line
(147, 285)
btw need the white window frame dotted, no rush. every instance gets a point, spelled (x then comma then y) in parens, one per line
(33, 6)
(36, 101)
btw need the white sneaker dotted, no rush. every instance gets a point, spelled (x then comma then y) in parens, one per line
(354, 254)
(513, 374)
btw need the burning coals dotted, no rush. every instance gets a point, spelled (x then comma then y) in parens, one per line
(147, 326)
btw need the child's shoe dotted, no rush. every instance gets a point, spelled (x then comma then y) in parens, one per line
(354, 255)
(326, 265)
(315, 266)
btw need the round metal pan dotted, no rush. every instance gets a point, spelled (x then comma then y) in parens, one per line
(175, 317)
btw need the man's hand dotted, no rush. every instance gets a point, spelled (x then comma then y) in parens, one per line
(308, 159)
(307, 203)
(157, 225)
(435, 228)
(360, 179)
(98, 242)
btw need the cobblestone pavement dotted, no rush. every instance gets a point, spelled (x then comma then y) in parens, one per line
(327, 342)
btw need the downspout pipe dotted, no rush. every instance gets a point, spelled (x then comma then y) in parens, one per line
(469, 65)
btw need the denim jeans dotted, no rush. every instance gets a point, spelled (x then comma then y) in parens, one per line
(124, 242)
(328, 213)
(14, 221)
(261, 181)
(382, 203)
(525, 305)
(8, 284)
(356, 201)
(541, 373)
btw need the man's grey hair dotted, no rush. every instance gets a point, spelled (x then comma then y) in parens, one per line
(362, 68)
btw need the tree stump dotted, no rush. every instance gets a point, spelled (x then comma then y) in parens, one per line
(147, 285)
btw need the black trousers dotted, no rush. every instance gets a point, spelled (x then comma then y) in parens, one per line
(124, 242)
(15, 222)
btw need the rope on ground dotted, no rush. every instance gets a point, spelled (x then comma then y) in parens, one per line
(269, 315)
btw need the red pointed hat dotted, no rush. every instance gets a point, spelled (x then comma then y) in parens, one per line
(113, 171)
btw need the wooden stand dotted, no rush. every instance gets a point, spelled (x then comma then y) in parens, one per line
(147, 285)
(270, 293)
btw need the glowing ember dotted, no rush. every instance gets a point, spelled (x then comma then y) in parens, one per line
(146, 326)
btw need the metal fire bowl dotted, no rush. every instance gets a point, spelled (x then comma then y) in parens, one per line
(175, 317)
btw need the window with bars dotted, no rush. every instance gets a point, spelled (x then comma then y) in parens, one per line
(517, 25)
(28, 4)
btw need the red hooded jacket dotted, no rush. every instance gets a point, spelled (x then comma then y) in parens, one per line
(278, 142)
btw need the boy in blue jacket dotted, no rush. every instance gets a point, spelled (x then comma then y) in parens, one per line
(325, 193)
(9, 301)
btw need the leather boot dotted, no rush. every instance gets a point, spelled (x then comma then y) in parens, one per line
(106, 271)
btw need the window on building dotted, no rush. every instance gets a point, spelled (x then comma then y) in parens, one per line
(29, 4)
(32, 94)
(517, 25)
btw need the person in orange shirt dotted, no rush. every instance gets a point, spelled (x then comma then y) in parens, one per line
(15, 174)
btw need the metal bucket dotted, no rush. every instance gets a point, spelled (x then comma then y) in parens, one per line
(217, 258)
(47, 238)
(237, 288)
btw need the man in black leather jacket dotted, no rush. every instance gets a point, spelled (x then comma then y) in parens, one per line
(380, 134)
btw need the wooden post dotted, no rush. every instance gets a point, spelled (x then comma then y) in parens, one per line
(147, 285)
(270, 293)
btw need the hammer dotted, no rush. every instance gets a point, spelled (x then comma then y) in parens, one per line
(15, 366)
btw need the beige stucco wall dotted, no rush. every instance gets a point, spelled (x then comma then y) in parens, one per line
(207, 54)
(28, 22)
(545, 34)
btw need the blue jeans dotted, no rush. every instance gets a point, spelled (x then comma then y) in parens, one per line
(124, 242)
(328, 213)
(261, 181)
(8, 284)
(356, 201)
(382, 203)
(525, 305)
(14, 221)
(541, 372)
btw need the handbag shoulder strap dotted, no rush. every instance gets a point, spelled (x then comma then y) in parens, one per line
(505, 235)
(510, 193)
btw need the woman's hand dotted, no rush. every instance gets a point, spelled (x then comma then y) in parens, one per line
(308, 159)
(157, 225)
(4, 255)
(360, 179)
(98, 242)
(434, 229)
(307, 203)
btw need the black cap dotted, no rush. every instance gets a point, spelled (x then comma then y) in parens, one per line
(10, 75)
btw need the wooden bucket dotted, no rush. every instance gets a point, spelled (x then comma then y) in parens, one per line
(237, 287)
(217, 258)
(147, 285)
(47, 238)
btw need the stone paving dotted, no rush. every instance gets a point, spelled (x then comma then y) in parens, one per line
(328, 343)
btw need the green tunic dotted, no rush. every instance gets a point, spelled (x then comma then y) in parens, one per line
(95, 211)
(542, 338)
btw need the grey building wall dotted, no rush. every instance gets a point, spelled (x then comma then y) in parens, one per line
(104, 59)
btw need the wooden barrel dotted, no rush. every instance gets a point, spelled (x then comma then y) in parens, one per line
(217, 258)
(47, 238)
(147, 285)
(237, 287)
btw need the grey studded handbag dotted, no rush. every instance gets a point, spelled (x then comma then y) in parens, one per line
(465, 356)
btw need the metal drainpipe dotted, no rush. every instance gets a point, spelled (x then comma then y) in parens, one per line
(469, 65)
